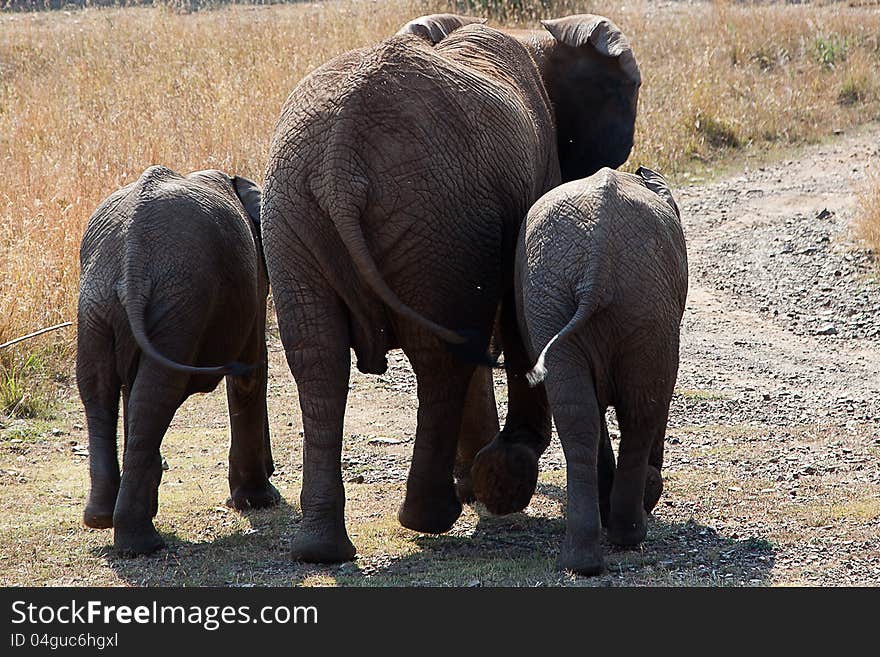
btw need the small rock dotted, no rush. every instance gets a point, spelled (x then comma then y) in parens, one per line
(828, 329)
(165, 465)
(825, 214)
(384, 441)
(359, 479)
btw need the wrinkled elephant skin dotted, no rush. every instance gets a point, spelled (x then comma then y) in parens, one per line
(173, 281)
(602, 278)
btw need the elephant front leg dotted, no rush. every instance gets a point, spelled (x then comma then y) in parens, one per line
(431, 504)
(605, 467)
(102, 417)
(249, 455)
(505, 472)
(653, 479)
(479, 425)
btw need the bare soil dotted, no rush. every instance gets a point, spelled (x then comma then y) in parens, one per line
(772, 473)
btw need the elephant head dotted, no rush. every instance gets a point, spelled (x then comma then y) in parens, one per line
(657, 184)
(249, 194)
(591, 76)
(593, 81)
(436, 27)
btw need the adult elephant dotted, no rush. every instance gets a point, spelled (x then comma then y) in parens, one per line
(397, 180)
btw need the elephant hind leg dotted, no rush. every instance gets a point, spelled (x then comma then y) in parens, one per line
(250, 455)
(479, 425)
(579, 421)
(316, 342)
(431, 504)
(99, 388)
(155, 397)
(642, 417)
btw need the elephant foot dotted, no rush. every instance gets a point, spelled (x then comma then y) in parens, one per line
(98, 513)
(243, 498)
(653, 488)
(464, 489)
(628, 533)
(132, 542)
(435, 514)
(505, 476)
(581, 557)
(98, 518)
(319, 547)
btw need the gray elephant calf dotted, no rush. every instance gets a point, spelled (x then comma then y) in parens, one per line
(172, 278)
(602, 279)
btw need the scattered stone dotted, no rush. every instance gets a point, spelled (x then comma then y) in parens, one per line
(384, 441)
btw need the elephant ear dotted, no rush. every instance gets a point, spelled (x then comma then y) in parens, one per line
(600, 33)
(657, 184)
(436, 27)
(249, 194)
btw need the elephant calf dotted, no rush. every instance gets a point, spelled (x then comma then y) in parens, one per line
(173, 278)
(602, 281)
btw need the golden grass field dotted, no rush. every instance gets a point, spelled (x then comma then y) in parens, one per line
(869, 221)
(88, 99)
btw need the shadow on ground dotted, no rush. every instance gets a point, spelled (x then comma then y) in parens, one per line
(514, 550)
(520, 550)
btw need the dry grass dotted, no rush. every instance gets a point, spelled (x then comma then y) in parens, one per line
(868, 224)
(89, 99)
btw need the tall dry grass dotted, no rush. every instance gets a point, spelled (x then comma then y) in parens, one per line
(88, 99)
(868, 224)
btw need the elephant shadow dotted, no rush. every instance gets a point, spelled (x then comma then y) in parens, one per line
(521, 549)
(254, 555)
(515, 550)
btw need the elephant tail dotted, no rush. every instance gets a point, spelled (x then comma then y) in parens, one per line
(588, 305)
(467, 343)
(134, 294)
(134, 302)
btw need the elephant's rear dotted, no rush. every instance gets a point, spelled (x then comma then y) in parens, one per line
(602, 262)
(175, 254)
(434, 163)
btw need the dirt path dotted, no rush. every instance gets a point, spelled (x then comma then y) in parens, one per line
(782, 335)
(772, 449)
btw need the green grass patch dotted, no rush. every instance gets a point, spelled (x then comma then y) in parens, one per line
(26, 390)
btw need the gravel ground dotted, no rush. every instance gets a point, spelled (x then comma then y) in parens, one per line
(774, 434)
